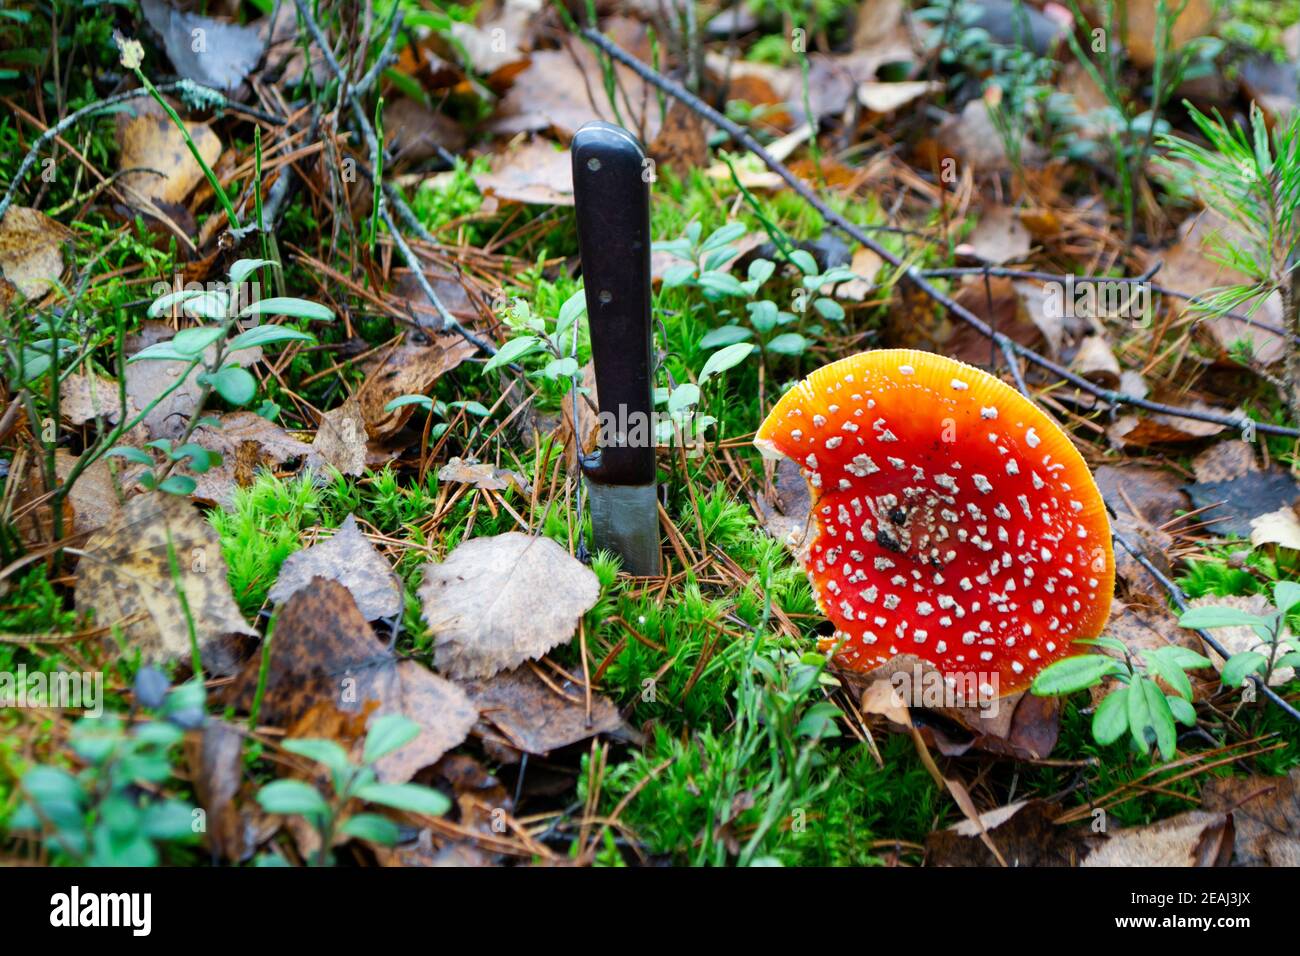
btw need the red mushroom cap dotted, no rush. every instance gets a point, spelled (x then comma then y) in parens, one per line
(955, 521)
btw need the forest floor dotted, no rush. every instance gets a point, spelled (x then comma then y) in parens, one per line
(297, 371)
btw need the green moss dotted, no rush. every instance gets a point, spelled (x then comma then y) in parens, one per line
(260, 530)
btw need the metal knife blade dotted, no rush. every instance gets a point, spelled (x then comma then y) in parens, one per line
(612, 205)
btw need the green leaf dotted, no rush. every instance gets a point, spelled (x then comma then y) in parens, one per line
(512, 351)
(179, 485)
(243, 268)
(725, 335)
(789, 343)
(1111, 643)
(201, 459)
(722, 236)
(829, 309)
(165, 303)
(819, 721)
(679, 248)
(298, 308)
(267, 335)
(1215, 616)
(424, 401)
(159, 352)
(683, 397)
(168, 820)
(410, 797)
(1286, 595)
(52, 784)
(236, 385)
(1110, 719)
(1182, 710)
(1075, 673)
(372, 828)
(1288, 660)
(724, 359)
(1240, 666)
(130, 454)
(721, 283)
(1139, 714)
(292, 796)
(678, 275)
(208, 305)
(575, 306)
(804, 262)
(1173, 675)
(763, 315)
(1162, 719)
(760, 270)
(192, 342)
(718, 258)
(387, 734)
(325, 752)
(561, 367)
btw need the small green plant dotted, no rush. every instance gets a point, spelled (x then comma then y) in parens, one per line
(209, 347)
(742, 793)
(1136, 705)
(111, 813)
(353, 785)
(1252, 179)
(538, 338)
(1277, 647)
(702, 267)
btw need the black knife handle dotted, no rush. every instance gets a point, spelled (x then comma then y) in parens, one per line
(612, 200)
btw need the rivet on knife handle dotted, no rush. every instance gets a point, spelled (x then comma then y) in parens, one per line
(612, 204)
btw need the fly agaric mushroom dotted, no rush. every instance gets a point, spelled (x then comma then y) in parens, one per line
(955, 521)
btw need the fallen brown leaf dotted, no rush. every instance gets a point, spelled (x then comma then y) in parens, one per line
(1266, 815)
(1023, 832)
(247, 442)
(216, 754)
(998, 237)
(1281, 527)
(1190, 267)
(537, 717)
(125, 578)
(150, 141)
(536, 173)
(31, 250)
(1195, 838)
(497, 602)
(341, 440)
(408, 369)
(1139, 20)
(216, 53)
(350, 559)
(325, 654)
(784, 514)
(482, 474)
(682, 144)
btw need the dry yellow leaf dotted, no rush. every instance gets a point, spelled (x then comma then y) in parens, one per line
(125, 576)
